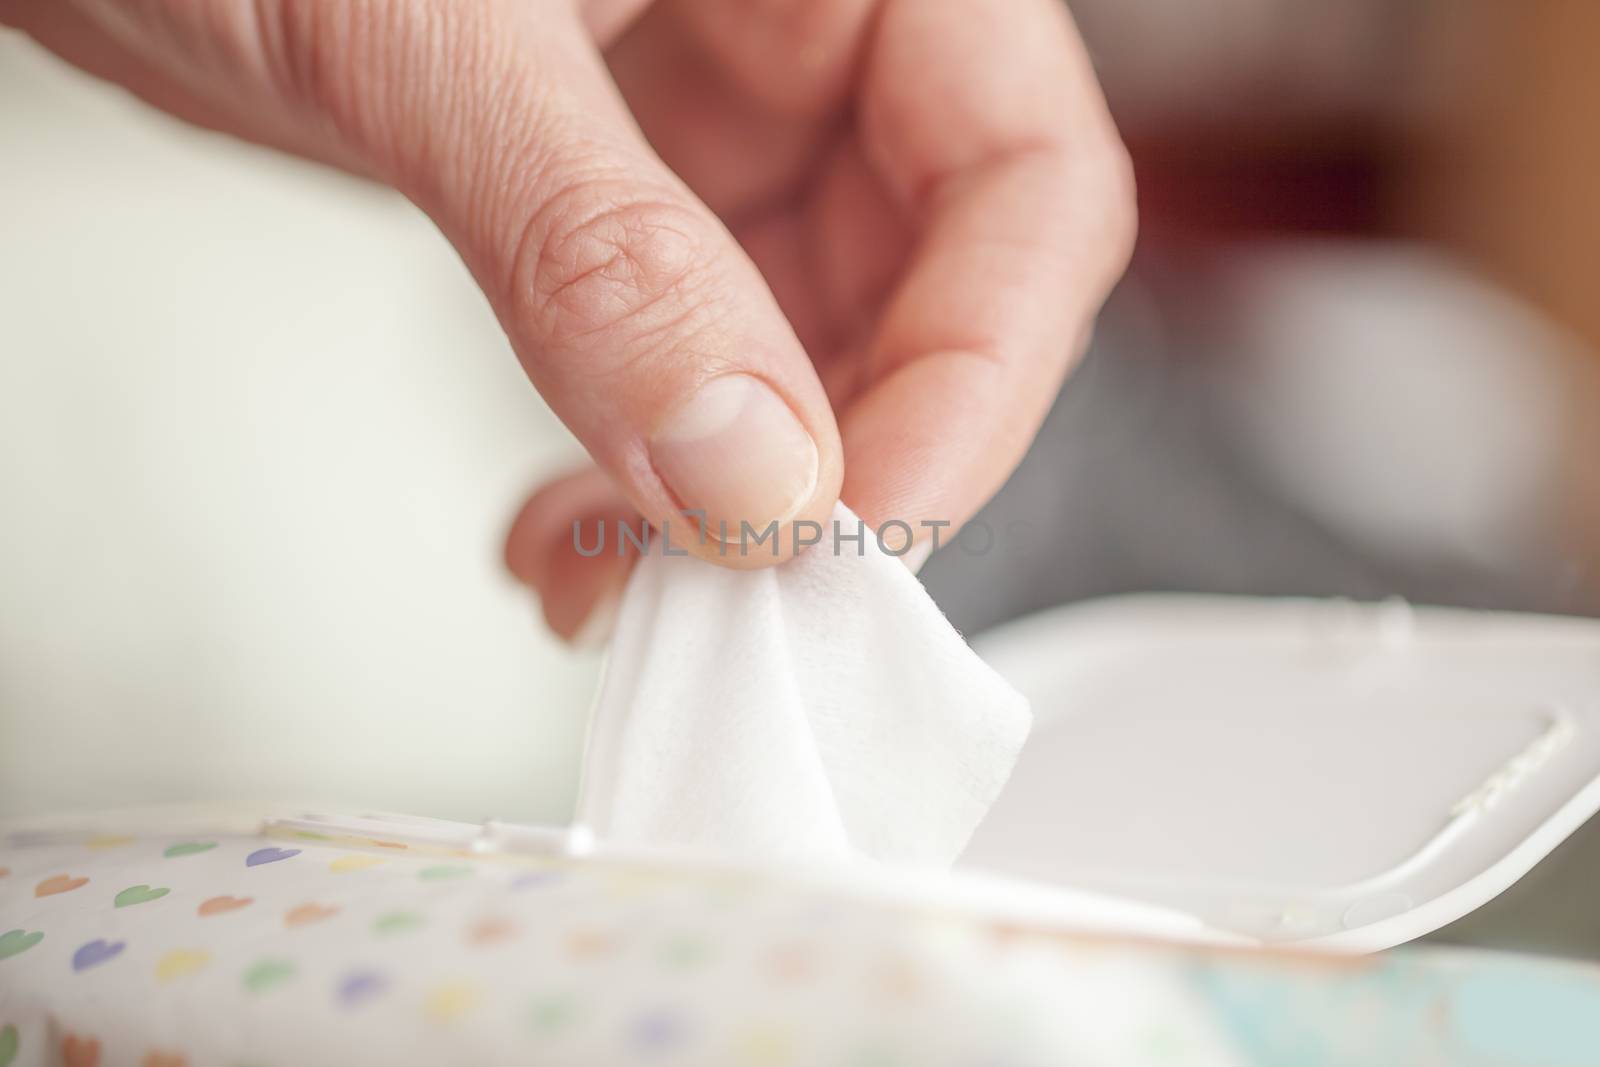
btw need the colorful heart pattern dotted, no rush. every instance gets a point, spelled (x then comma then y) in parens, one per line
(139, 894)
(551, 1013)
(224, 904)
(398, 922)
(103, 841)
(304, 914)
(449, 1002)
(268, 974)
(58, 883)
(492, 931)
(360, 987)
(95, 953)
(658, 1030)
(536, 879)
(422, 937)
(16, 942)
(589, 944)
(180, 963)
(269, 855)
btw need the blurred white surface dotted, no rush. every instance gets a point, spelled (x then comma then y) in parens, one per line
(1405, 402)
(259, 440)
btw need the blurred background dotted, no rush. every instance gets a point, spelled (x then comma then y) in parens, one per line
(260, 436)
(1356, 352)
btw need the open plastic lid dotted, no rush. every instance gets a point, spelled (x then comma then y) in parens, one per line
(1320, 772)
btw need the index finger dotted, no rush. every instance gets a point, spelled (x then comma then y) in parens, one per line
(984, 118)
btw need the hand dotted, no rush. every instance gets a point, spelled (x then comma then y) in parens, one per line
(756, 254)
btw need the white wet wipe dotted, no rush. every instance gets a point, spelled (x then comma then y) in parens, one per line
(819, 709)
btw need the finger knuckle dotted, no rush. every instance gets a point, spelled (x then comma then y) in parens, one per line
(606, 261)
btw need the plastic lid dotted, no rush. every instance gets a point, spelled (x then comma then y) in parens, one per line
(1319, 772)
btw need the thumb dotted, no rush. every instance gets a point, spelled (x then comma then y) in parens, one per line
(633, 310)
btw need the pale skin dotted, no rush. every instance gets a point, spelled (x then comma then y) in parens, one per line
(758, 255)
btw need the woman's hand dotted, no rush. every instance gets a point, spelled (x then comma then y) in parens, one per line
(754, 253)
